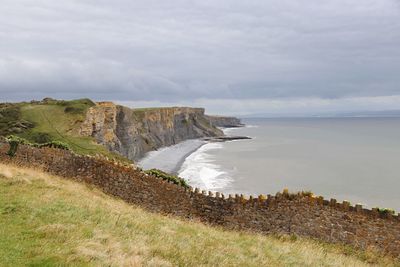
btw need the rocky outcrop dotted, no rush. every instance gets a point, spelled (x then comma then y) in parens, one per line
(225, 122)
(101, 123)
(133, 132)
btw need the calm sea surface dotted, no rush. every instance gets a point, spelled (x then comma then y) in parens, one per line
(355, 159)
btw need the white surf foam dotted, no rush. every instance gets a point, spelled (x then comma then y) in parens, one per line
(200, 171)
(251, 126)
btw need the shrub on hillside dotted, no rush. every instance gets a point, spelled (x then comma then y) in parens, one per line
(78, 106)
(40, 138)
(74, 110)
(385, 211)
(10, 120)
(15, 141)
(168, 177)
(55, 144)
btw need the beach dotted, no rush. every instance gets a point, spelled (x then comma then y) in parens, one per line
(171, 158)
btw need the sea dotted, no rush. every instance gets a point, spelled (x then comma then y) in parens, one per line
(353, 159)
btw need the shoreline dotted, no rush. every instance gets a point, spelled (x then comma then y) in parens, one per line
(179, 164)
(171, 158)
(208, 140)
(203, 170)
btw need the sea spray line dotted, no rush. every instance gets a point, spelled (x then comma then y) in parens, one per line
(199, 169)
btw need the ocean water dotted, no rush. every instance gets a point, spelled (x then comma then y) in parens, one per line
(355, 159)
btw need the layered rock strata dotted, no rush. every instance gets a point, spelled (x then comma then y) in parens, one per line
(133, 132)
(225, 122)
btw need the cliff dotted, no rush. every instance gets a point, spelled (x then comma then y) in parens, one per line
(133, 132)
(220, 121)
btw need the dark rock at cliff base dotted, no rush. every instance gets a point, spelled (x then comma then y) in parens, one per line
(226, 138)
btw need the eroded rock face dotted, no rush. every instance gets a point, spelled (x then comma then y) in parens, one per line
(101, 123)
(220, 121)
(133, 132)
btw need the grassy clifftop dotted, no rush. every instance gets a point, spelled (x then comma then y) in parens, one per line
(48, 221)
(51, 120)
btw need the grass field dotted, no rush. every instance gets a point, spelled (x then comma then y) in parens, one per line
(49, 221)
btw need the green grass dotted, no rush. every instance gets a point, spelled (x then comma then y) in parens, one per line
(48, 221)
(167, 177)
(51, 119)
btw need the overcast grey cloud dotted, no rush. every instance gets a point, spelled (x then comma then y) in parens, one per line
(319, 54)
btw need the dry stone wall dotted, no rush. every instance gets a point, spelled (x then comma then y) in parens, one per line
(299, 214)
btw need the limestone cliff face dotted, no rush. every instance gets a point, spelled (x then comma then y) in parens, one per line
(101, 123)
(220, 121)
(133, 132)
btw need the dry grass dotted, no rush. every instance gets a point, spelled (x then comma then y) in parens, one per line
(48, 221)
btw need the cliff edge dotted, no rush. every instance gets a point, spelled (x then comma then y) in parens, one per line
(133, 132)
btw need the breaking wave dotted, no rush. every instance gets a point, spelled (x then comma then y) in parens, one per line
(200, 170)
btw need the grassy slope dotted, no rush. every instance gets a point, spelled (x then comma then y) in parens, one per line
(48, 221)
(51, 120)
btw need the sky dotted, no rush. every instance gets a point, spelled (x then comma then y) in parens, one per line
(231, 57)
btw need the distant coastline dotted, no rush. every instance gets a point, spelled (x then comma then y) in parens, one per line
(355, 114)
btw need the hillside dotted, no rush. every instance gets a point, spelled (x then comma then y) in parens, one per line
(51, 120)
(48, 221)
